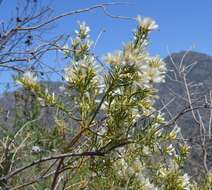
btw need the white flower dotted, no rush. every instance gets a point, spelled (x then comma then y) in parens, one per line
(123, 167)
(83, 29)
(114, 59)
(36, 149)
(141, 177)
(152, 71)
(46, 91)
(102, 131)
(175, 132)
(53, 96)
(68, 73)
(170, 150)
(149, 186)
(146, 150)
(29, 78)
(42, 102)
(117, 91)
(101, 88)
(137, 166)
(65, 49)
(147, 23)
(186, 181)
(97, 101)
(172, 165)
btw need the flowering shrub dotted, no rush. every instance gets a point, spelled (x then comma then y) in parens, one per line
(117, 139)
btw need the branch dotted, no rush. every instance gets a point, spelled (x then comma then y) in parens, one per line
(184, 111)
(100, 6)
(56, 175)
(8, 35)
(60, 156)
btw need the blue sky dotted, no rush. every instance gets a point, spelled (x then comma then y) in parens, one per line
(182, 23)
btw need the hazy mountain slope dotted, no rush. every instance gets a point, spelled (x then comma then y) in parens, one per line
(198, 67)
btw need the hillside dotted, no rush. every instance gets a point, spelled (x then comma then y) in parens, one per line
(190, 72)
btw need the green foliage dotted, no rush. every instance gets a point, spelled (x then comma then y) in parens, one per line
(116, 139)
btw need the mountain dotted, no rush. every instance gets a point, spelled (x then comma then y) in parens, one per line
(189, 79)
(197, 69)
(19, 107)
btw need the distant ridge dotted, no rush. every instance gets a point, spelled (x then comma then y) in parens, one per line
(199, 78)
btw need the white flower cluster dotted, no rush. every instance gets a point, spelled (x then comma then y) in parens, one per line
(176, 131)
(70, 72)
(186, 181)
(137, 170)
(82, 60)
(170, 150)
(147, 23)
(152, 71)
(36, 149)
(29, 78)
(83, 30)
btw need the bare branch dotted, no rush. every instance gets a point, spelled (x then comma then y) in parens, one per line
(100, 6)
(60, 156)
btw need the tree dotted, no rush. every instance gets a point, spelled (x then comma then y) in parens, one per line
(23, 37)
